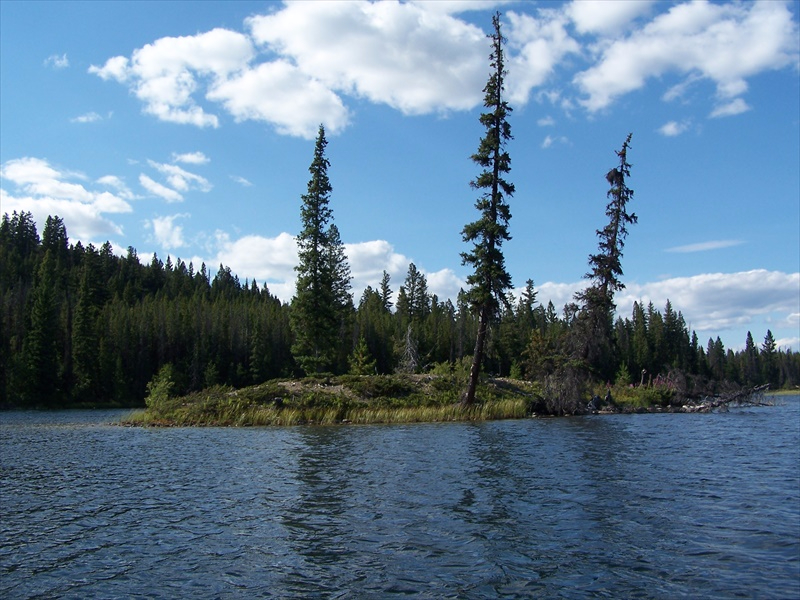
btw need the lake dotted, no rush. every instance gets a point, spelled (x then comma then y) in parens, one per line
(612, 506)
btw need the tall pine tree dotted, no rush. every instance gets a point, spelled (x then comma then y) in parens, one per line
(490, 279)
(322, 296)
(596, 325)
(42, 360)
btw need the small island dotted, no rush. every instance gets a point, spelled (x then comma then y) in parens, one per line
(402, 398)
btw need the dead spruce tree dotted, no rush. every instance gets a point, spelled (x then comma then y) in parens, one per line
(595, 326)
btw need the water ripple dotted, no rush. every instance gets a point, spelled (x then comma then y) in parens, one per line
(636, 506)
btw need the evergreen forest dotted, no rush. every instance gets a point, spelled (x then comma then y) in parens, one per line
(82, 326)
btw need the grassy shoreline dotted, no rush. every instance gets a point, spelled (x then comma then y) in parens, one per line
(351, 399)
(337, 400)
(795, 392)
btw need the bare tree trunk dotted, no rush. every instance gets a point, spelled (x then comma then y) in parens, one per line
(468, 398)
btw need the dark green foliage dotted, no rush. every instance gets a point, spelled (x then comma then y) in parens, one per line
(385, 386)
(82, 326)
(595, 329)
(490, 279)
(769, 360)
(42, 384)
(322, 304)
(413, 299)
(606, 264)
(92, 328)
(90, 334)
(161, 389)
(85, 338)
(375, 324)
(361, 361)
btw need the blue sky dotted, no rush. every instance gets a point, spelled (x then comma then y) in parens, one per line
(186, 129)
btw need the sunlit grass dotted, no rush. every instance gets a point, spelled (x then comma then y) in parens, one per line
(270, 416)
(639, 397)
(420, 401)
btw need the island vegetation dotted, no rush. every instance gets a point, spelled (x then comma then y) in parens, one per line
(81, 326)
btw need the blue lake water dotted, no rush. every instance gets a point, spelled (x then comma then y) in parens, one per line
(616, 506)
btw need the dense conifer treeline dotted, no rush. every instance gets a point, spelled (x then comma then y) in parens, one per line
(81, 325)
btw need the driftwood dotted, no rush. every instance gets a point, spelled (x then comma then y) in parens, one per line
(753, 396)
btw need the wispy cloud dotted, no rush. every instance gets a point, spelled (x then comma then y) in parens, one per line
(734, 107)
(673, 128)
(554, 139)
(241, 181)
(90, 117)
(192, 158)
(181, 179)
(56, 61)
(679, 91)
(123, 191)
(705, 246)
(159, 190)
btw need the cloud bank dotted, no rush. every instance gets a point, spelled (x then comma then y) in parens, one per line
(309, 62)
(711, 303)
(44, 190)
(717, 302)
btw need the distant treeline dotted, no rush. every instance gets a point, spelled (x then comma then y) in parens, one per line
(81, 325)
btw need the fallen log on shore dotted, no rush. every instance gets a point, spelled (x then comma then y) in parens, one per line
(753, 396)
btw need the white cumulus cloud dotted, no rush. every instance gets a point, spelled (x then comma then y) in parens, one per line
(279, 93)
(45, 190)
(711, 303)
(539, 45)
(416, 58)
(724, 43)
(445, 284)
(716, 302)
(268, 260)
(273, 260)
(368, 261)
(413, 59)
(166, 74)
(116, 68)
(306, 63)
(605, 16)
(166, 232)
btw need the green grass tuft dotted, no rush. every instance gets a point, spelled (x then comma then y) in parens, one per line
(332, 400)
